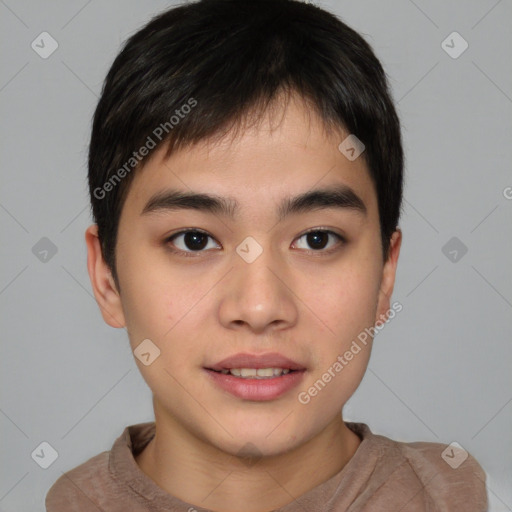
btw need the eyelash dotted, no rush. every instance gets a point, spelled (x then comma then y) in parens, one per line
(318, 252)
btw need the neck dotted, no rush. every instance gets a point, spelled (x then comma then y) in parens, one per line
(199, 473)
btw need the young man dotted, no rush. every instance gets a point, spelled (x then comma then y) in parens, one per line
(245, 171)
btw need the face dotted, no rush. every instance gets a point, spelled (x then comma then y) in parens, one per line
(264, 282)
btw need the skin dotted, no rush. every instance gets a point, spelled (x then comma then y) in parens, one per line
(303, 303)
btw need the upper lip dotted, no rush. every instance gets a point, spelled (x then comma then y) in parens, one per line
(245, 360)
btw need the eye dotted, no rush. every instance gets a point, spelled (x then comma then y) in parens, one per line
(190, 241)
(318, 239)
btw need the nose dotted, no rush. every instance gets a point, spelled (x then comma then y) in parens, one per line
(258, 294)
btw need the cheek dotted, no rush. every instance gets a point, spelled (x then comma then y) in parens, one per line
(148, 309)
(146, 291)
(350, 299)
(160, 303)
(164, 310)
(347, 305)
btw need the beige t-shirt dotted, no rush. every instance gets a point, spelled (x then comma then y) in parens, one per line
(382, 475)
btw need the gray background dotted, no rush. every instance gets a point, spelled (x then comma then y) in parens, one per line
(440, 370)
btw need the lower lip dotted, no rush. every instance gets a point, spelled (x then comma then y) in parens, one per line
(257, 389)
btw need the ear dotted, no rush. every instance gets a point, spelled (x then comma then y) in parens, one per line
(103, 285)
(388, 277)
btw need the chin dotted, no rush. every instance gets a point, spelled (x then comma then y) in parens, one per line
(267, 439)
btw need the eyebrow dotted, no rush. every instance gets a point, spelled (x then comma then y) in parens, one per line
(339, 197)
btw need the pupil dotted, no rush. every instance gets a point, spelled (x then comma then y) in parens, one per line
(195, 240)
(315, 239)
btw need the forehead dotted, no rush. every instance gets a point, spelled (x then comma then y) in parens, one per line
(287, 153)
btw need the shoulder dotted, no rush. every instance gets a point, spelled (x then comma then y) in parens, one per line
(451, 478)
(421, 476)
(105, 481)
(75, 489)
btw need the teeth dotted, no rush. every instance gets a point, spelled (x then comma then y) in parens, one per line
(264, 372)
(253, 373)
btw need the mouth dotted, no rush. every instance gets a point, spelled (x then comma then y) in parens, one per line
(256, 377)
(256, 366)
(255, 373)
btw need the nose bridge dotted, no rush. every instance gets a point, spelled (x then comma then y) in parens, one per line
(252, 269)
(258, 295)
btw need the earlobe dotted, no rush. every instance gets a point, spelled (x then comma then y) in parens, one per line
(388, 276)
(103, 285)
